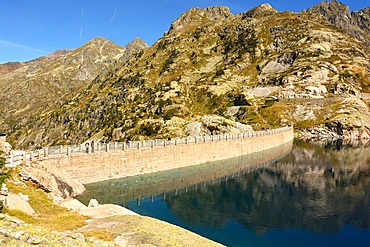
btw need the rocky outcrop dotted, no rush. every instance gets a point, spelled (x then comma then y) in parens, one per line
(17, 202)
(355, 23)
(194, 17)
(216, 125)
(263, 9)
(362, 19)
(5, 147)
(51, 181)
(318, 134)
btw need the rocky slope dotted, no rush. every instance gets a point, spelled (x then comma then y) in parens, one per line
(216, 72)
(38, 83)
(9, 67)
(356, 23)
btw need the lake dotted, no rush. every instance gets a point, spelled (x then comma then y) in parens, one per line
(300, 195)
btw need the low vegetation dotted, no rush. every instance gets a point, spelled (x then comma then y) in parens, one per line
(48, 215)
(200, 67)
(136, 230)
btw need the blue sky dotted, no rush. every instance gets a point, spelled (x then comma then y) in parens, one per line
(30, 29)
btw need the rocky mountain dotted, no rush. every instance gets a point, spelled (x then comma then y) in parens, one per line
(9, 67)
(216, 72)
(356, 23)
(38, 83)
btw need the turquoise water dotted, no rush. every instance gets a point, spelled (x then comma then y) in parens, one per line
(232, 233)
(313, 196)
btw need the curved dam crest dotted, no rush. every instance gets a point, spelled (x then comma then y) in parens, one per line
(101, 166)
(177, 181)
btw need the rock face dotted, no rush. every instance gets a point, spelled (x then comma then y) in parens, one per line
(194, 17)
(133, 48)
(213, 64)
(18, 202)
(51, 181)
(356, 23)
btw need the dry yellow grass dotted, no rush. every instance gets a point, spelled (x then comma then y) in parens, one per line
(133, 230)
(140, 230)
(48, 215)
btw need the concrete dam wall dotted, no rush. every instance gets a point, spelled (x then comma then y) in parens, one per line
(112, 164)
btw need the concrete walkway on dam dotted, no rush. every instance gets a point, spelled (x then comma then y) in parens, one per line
(118, 160)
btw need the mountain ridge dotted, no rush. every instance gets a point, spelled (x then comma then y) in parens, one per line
(36, 83)
(215, 72)
(356, 23)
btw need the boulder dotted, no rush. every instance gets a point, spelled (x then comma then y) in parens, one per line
(72, 204)
(51, 181)
(18, 202)
(5, 147)
(93, 203)
(194, 128)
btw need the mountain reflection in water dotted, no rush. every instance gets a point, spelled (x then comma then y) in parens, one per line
(312, 195)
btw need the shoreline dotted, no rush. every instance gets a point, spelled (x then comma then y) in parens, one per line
(57, 177)
(109, 209)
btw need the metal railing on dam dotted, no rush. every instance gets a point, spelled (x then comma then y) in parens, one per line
(64, 151)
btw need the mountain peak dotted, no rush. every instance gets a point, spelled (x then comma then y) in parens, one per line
(261, 9)
(134, 47)
(338, 14)
(97, 41)
(137, 42)
(195, 16)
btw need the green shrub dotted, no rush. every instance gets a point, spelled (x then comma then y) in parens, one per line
(148, 129)
(169, 60)
(170, 113)
(2, 160)
(4, 172)
(220, 72)
(2, 206)
(346, 74)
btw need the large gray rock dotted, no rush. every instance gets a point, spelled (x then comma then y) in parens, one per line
(216, 125)
(18, 202)
(93, 203)
(51, 181)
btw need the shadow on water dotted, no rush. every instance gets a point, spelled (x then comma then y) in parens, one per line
(313, 195)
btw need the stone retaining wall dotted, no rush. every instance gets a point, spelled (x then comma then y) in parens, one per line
(102, 166)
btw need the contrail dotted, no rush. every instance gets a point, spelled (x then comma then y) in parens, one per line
(6, 43)
(114, 15)
(82, 11)
(81, 31)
